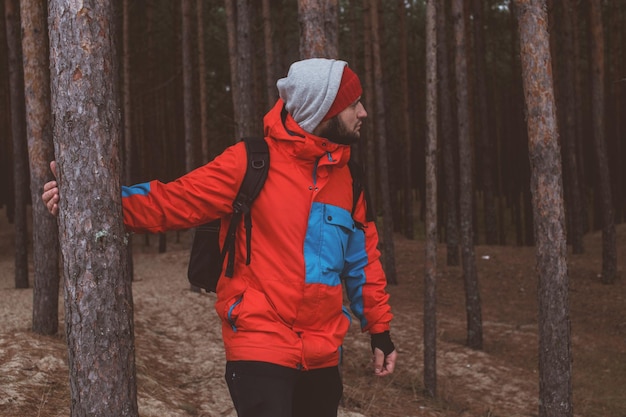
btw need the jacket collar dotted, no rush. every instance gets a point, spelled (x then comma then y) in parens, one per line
(280, 127)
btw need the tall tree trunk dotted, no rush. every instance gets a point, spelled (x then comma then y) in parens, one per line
(568, 132)
(609, 250)
(231, 29)
(406, 123)
(485, 141)
(188, 108)
(270, 79)
(245, 76)
(20, 152)
(204, 119)
(389, 260)
(87, 131)
(430, 264)
(447, 139)
(41, 152)
(368, 92)
(470, 277)
(319, 28)
(555, 372)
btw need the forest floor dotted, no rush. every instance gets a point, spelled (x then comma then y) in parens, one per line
(180, 358)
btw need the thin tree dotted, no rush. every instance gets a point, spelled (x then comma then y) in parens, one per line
(555, 372)
(87, 132)
(319, 28)
(430, 264)
(470, 277)
(40, 152)
(240, 58)
(449, 147)
(188, 108)
(18, 132)
(567, 116)
(388, 246)
(269, 54)
(204, 117)
(368, 98)
(485, 141)
(406, 122)
(609, 250)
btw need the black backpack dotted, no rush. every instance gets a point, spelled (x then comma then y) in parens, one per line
(207, 258)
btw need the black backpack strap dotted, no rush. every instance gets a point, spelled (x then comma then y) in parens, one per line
(358, 188)
(253, 181)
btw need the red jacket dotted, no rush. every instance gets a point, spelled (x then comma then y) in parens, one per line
(286, 307)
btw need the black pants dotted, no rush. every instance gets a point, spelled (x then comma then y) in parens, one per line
(261, 389)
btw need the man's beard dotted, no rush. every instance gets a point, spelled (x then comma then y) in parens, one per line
(337, 132)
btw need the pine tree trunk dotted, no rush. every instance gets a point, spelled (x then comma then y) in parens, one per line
(41, 152)
(204, 117)
(188, 108)
(368, 97)
(245, 86)
(268, 40)
(470, 277)
(406, 125)
(18, 133)
(609, 250)
(87, 132)
(389, 261)
(319, 28)
(447, 139)
(430, 264)
(567, 114)
(484, 141)
(555, 372)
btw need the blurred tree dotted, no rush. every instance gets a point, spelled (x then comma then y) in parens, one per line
(430, 264)
(448, 139)
(40, 152)
(609, 250)
(18, 132)
(388, 247)
(470, 277)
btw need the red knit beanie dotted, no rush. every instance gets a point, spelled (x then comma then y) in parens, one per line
(349, 90)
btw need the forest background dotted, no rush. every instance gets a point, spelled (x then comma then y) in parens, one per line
(161, 142)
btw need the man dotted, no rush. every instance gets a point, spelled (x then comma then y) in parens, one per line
(283, 319)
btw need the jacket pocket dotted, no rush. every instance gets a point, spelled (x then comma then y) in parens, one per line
(336, 229)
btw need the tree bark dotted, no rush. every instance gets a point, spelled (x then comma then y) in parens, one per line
(609, 250)
(430, 264)
(447, 139)
(389, 261)
(319, 28)
(41, 152)
(470, 277)
(555, 385)
(18, 133)
(87, 132)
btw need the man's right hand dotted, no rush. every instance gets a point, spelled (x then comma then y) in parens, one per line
(50, 194)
